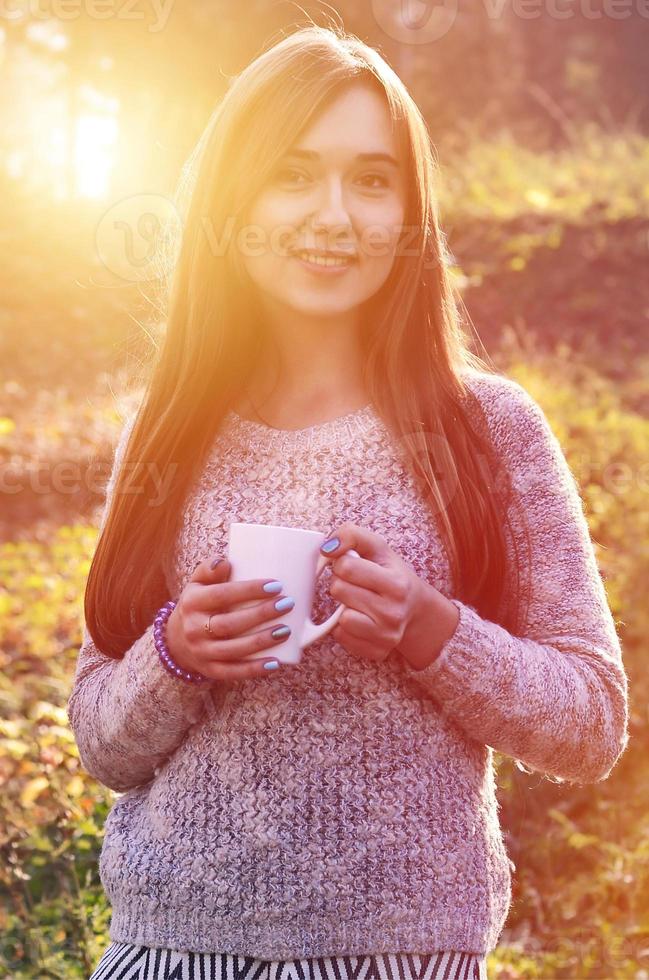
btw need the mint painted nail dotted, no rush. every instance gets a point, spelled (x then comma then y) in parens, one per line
(271, 664)
(273, 586)
(330, 545)
(286, 603)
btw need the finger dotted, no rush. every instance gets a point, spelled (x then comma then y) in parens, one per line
(356, 596)
(219, 593)
(226, 625)
(358, 647)
(221, 653)
(358, 625)
(367, 543)
(241, 671)
(212, 570)
(367, 574)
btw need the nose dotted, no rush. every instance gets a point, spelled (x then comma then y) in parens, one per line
(331, 214)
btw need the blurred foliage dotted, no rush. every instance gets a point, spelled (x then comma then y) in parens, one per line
(498, 179)
(53, 915)
(550, 247)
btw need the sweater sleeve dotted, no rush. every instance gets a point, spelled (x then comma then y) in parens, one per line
(128, 715)
(554, 697)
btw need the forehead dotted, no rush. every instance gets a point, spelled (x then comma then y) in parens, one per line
(355, 122)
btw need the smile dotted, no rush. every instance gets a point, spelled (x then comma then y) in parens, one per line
(329, 261)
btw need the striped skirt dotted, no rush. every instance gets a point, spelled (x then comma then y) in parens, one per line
(124, 961)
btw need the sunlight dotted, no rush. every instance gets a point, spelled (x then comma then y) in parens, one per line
(96, 137)
(65, 143)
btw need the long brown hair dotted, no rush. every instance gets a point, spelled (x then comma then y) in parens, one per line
(416, 350)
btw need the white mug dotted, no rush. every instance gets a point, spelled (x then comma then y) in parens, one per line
(292, 556)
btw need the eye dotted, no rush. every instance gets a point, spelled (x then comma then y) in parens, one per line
(285, 175)
(383, 180)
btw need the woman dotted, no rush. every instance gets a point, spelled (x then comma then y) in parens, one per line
(336, 817)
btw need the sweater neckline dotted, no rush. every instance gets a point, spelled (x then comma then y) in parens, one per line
(344, 428)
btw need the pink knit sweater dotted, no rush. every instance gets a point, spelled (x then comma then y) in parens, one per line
(343, 806)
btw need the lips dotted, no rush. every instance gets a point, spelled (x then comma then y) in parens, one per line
(325, 254)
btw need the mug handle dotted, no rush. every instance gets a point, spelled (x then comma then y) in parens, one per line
(313, 631)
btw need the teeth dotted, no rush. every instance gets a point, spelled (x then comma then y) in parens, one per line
(322, 260)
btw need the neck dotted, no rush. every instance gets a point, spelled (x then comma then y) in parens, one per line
(308, 365)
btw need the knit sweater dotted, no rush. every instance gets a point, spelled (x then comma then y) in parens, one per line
(344, 806)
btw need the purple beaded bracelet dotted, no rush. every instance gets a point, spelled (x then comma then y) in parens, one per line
(159, 638)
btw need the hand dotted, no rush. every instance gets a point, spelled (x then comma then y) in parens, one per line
(388, 606)
(220, 654)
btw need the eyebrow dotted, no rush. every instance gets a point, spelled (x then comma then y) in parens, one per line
(363, 157)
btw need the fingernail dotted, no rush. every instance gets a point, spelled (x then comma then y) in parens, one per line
(217, 561)
(286, 603)
(273, 586)
(330, 545)
(271, 664)
(280, 632)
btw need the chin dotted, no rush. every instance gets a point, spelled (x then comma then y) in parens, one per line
(319, 308)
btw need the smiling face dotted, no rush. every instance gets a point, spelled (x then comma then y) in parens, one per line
(340, 188)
